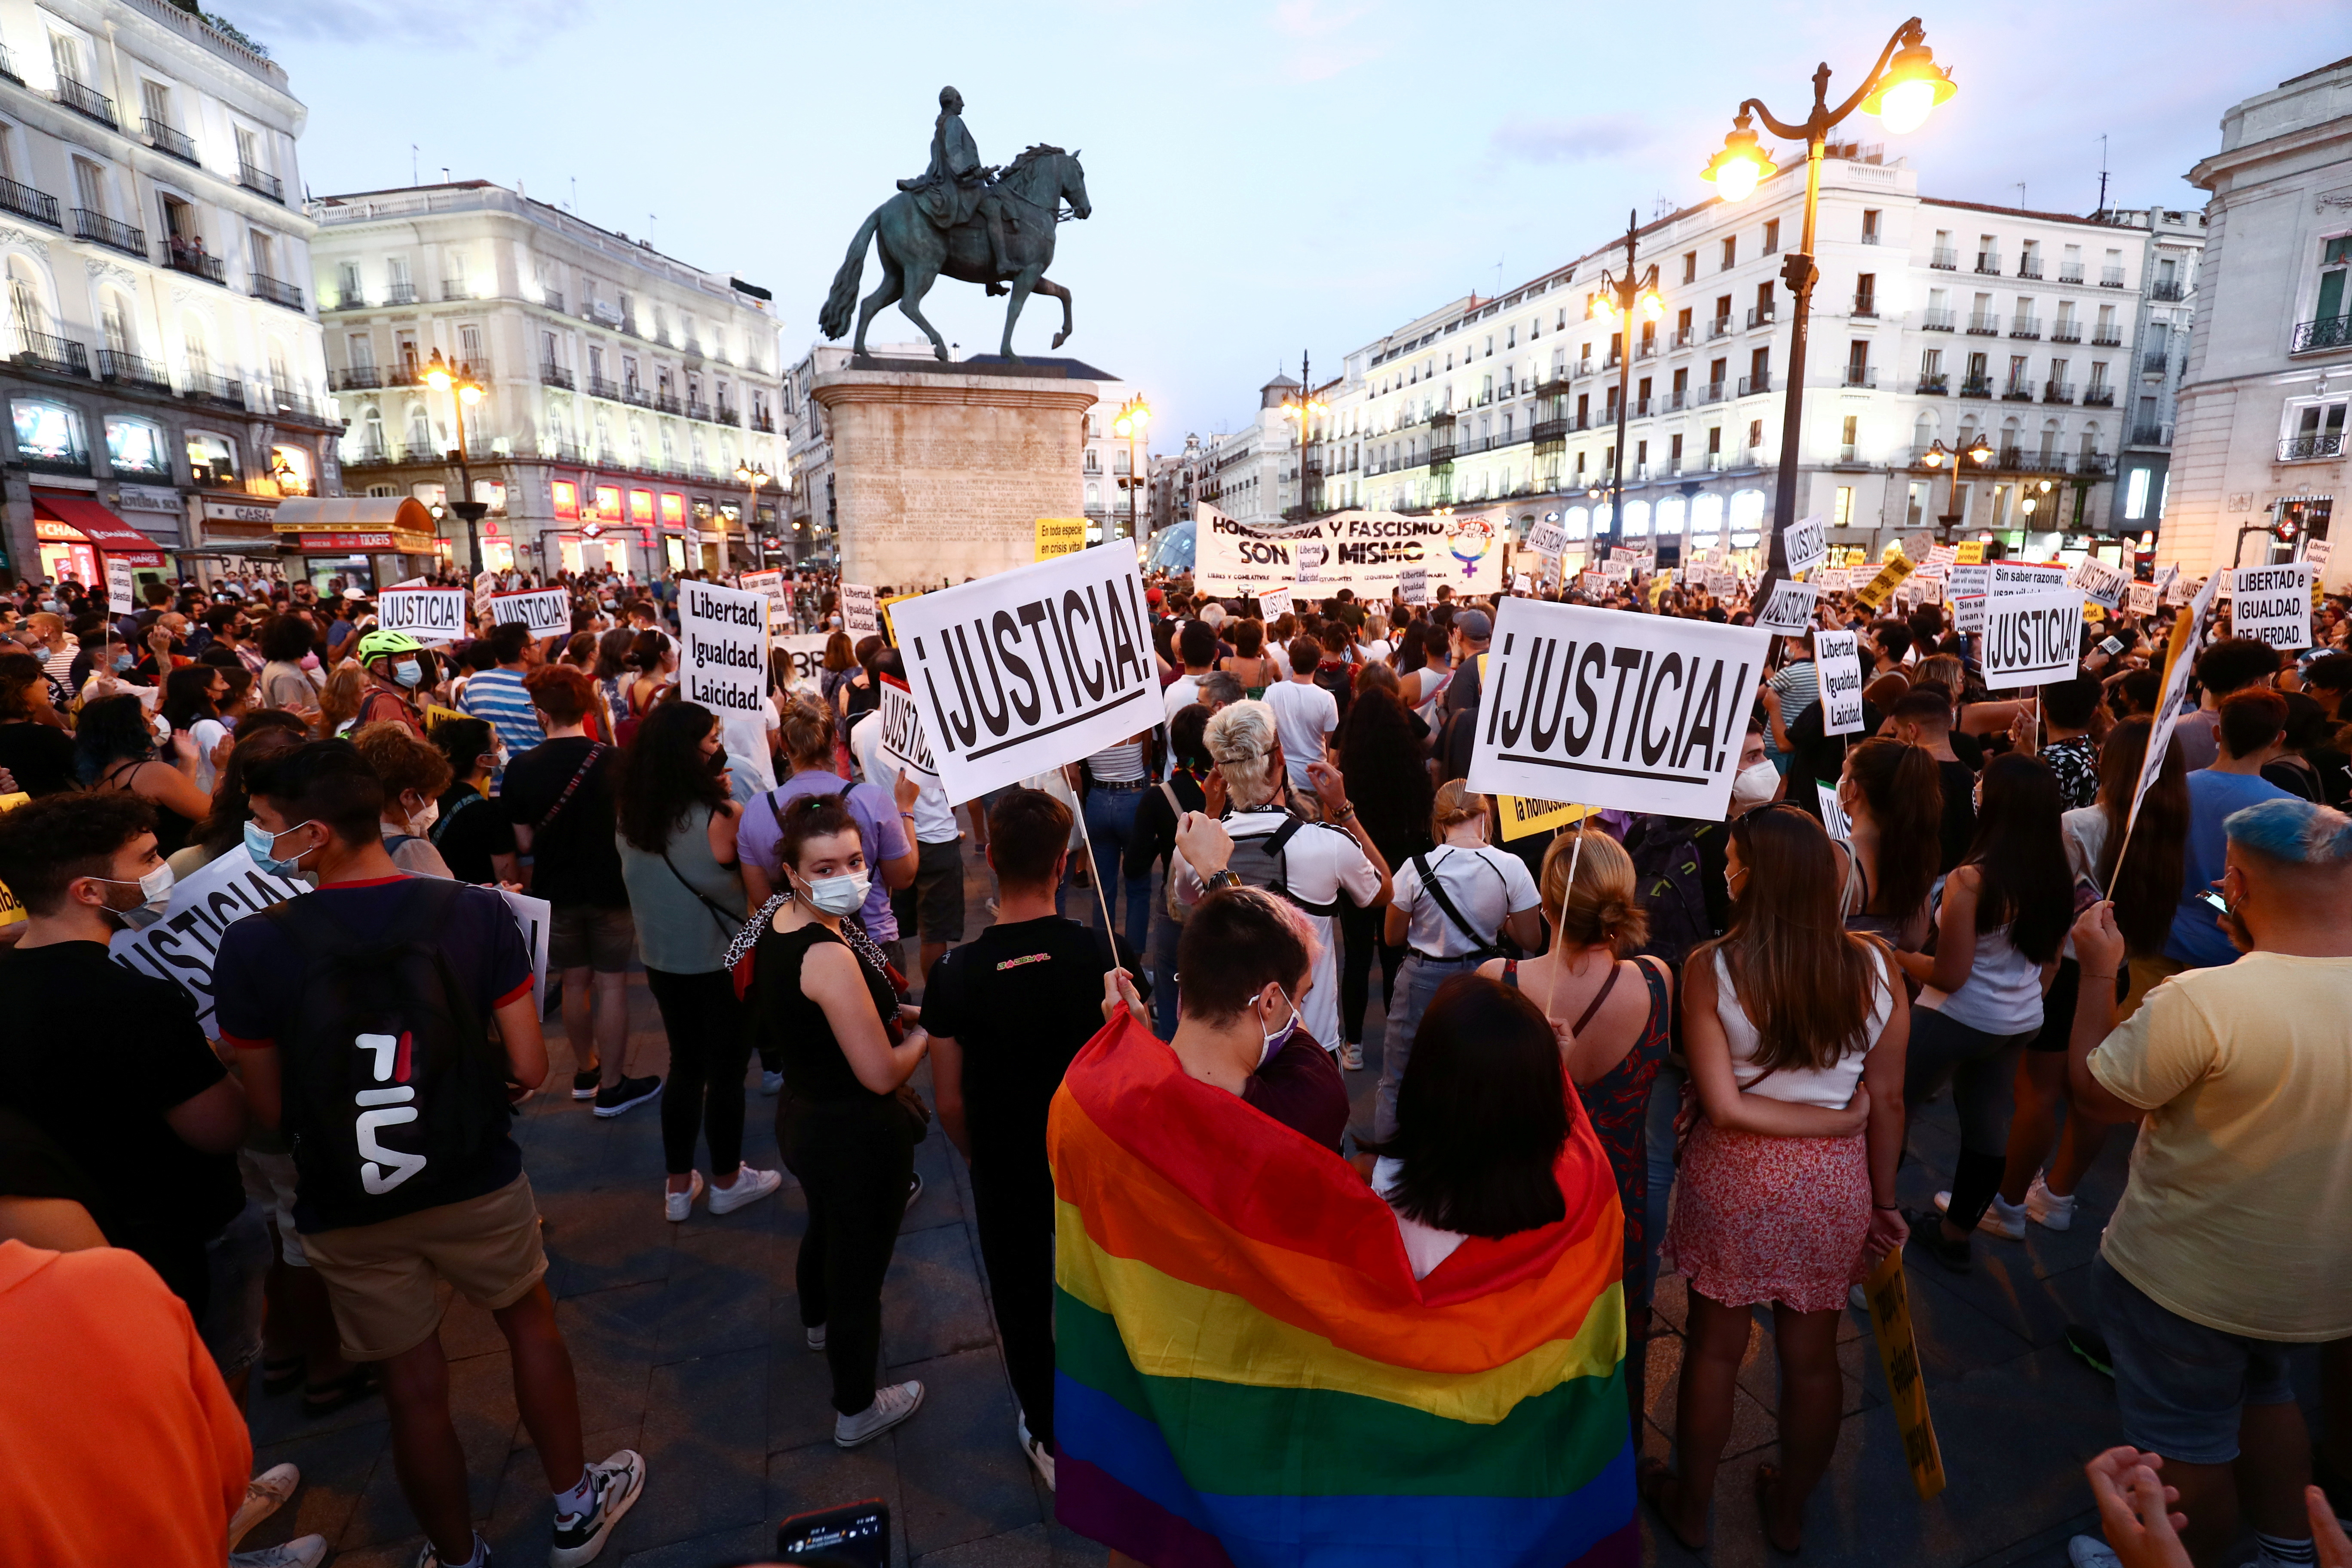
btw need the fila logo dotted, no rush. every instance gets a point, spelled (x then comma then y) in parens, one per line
(383, 1169)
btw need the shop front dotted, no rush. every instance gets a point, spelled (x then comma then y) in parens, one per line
(368, 540)
(75, 536)
(234, 536)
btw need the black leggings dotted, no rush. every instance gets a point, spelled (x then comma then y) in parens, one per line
(854, 1159)
(1360, 932)
(1013, 1205)
(709, 1041)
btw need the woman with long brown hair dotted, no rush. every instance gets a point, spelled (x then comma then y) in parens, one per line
(1248, 664)
(2146, 893)
(1893, 802)
(1788, 1186)
(1380, 745)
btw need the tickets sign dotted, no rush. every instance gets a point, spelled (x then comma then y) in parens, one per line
(2272, 604)
(2032, 639)
(1615, 710)
(547, 611)
(428, 615)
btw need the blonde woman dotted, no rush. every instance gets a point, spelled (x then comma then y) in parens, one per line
(1451, 907)
(340, 702)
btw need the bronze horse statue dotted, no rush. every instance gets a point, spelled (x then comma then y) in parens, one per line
(915, 254)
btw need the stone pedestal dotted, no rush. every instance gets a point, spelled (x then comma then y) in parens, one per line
(940, 474)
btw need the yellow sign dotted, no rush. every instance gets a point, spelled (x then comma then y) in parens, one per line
(1898, 1357)
(1968, 552)
(436, 714)
(1058, 536)
(888, 634)
(11, 911)
(1522, 816)
(1873, 594)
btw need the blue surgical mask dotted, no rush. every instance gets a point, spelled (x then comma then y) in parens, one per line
(1277, 1038)
(407, 671)
(262, 845)
(123, 661)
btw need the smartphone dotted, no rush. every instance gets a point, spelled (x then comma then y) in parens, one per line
(2112, 646)
(2220, 904)
(2086, 893)
(855, 1535)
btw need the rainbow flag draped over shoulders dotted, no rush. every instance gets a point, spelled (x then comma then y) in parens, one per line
(1247, 1372)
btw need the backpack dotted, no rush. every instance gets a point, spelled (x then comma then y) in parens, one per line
(1666, 880)
(1483, 945)
(390, 1073)
(1257, 860)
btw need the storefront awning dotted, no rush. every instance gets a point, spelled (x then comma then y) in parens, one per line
(346, 514)
(96, 525)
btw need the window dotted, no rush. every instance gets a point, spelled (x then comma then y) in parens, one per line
(361, 351)
(292, 467)
(547, 354)
(50, 432)
(1931, 363)
(65, 57)
(1754, 434)
(1714, 439)
(2335, 262)
(89, 186)
(114, 321)
(1865, 294)
(395, 271)
(1723, 307)
(1915, 505)
(1857, 362)
(1690, 266)
(347, 281)
(25, 304)
(1771, 235)
(1869, 225)
(1842, 514)
(469, 344)
(1848, 431)
(260, 250)
(2136, 496)
(212, 459)
(1730, 252)
(155, 106)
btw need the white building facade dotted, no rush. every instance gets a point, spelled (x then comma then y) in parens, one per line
(1933, 321)
(622, 388)
(2260, 445)
(163, 373)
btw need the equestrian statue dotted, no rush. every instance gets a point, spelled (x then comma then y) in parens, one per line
(967, 221)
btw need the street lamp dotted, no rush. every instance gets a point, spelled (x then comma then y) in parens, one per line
(1134, 417)
(1303, 408)
(1617, 302)
(1901, 89)
(443, 376)
(751, 476)
(1978, 452)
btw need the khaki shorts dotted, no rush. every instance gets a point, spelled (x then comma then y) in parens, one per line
(380, 1277)
(589, 936)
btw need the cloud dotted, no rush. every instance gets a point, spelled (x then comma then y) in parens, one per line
(1570, 139)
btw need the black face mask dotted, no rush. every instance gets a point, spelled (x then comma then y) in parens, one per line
(717, 762)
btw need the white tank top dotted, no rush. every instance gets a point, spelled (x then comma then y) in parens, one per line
(2002, 994)
(1829, 1088)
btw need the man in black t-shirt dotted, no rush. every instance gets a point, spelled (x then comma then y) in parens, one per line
(1925, 719)
(559, 795)
(1006, 1014)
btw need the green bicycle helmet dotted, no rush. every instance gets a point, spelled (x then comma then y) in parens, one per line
(381, 644)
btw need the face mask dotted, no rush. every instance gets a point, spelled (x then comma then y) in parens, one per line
(262, 843)
(407, 671)
(121, 662)
(1731, 887)
(422, 821)
(502, 756)
(1753, 786)
(1277, 1038)
(841, 895)
(156, 890)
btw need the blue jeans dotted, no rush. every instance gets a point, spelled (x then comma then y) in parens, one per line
(1165, 933)
(1417, 981)
(1665, 1099)
(1110, 827)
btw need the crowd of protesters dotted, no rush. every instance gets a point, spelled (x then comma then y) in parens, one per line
(1749, 1013)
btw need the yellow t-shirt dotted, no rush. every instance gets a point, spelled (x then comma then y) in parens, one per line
(2238, 1213)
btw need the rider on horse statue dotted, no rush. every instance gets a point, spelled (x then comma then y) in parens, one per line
(957, 185)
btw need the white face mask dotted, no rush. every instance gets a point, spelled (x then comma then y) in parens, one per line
(421, 821)
(156, 890)
(1753, 786)
(841, 895)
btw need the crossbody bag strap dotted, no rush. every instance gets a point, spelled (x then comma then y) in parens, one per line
(595, 750)
(727, 924)
(1616, 971)
(1480, 946)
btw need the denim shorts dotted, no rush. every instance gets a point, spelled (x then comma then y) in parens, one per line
(2180, 1386)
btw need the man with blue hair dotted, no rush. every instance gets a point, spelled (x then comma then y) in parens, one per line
(2232, 1243)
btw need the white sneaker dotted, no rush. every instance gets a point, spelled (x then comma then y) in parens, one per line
(1351, 1057)
(2090, 1552)
(302, 1552)
(263, 1495)
(772, 1084)
(816, 1338)
(2047, 1209)
(1039, 1455)
(676, 1206)
(891, 1405)
(750, 1187)
(2004, 1220)
(578, 1538)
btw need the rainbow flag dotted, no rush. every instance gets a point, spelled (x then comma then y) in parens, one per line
(1248, 1372)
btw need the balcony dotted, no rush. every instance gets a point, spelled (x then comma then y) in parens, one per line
(1848, 455)
(359, 378)
(261, 182)
(86, 100)
(1685, 336)
(401, 293)
(171, 143)
(2111, 277)
(1719, 328)
(2066, 332)
(130, 370)
(1442, 420)
(2093, 463)
(2057, 392)
(1989, 263)
(2326, 333)
(1857, 375)
(1711, 392)
(695, 410)
(1612, 362)
(27, 202)
(1870, 237)
(2017, 392)
(457, 289)
(88, 225)
(2025, 326)
(2097, 396)
(1762, 315)
(2070, 272)
(2107, 337)
(1944, 259)
(8, 67)
(45, 352)
(1647, 348)
(276, 291)
(764, 422)
(376, 454)
(1984, 326)
(1751, 385)
(555, 375)
(188, 256)
(2166, 292)
(1646, 406)
(728, 414)
(219, 391)
(299, 405)
(1711, 463)
(2306, 448)
(1549, 434)
(634, 394)
(1936, 321)
(668, 402)
(1976, 386)
(1441, 458)
(404, 372)
(2010, 458)
(64, 462)
(1866, 305)
(2153, 362)
(346, 300)
(599, 388)
(2029, 266)
(1933, 386)
(2150, 435)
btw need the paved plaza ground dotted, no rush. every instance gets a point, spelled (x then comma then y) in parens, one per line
(688, 1348)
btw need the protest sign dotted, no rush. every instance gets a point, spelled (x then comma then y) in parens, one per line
(1790, 607)
(1368, 552)
(1873, 594)
(890, 635)
(2187, 641)
(1547, 538)
(121, 587)
(772, 582)
(181, 947)
(1917, 547)
(1030, 668)
(1907, 1387)
(547, 611)
(1968, 552)
(1833, 816)
(2141, 601)
(1929, 590)
(2174, 586)
(536, 917)
(1522, 584)
(1274, 604)
(2009, 577)
(1808, 543)
(1941, 555)
(1833, 579)
(2272, 604)
(2315, 552)
(1620, 554)
(1838, 668)
(12, 908)
(859, 617)
(1963, 580)
(428, 615)
(723, 656)
(2099, 582)
(806, 654)
(1644, 565)
(2032, 639)
(1615, 710)
(1312, 554)
(1412, 585)
(904, 745)
(1967, 613)
(1059, 536)
(1522, 816)
(1594, 583)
